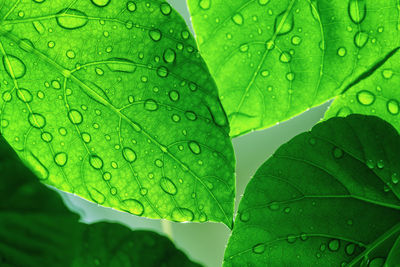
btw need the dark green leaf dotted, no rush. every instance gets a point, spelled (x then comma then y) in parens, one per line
(36, 229)
(328, 197)
(273, 59)
(111, 101)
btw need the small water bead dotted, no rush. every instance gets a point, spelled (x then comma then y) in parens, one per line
(51, 44)
(75, 116)
(143, 191)
(265, 73)
(337, 153)
(296, 40)
(133, 206)
(190, 115)
(370, 164)
(129, 155)
(70, 18)
(114, 165)
(377, 262)
(244, 48)
(101, 3)
(360, 39)
(205, 4)
(290, 77)
(96, 162)
(182, 215)
(259, 248)
(380, 164)
(155, 35)
(56, 84)
(47, 137)
(40, 95)
(86, 137)
(113, 191)
(107, 176)
(36, 120)
(99, 71)
(185, 34)
(342, 51)
(284, 23)
(357, 10)
(174, 95)
(131, 6)
(285, 57)
(70, 54)
(61, 159)
(194, 147)
(334, 245)
(365, 98)
(150, 105)
(7, 97)
(387, 74)
(168, 186)
(238, 19)
(393, 107)
(176, 118)
(159, 163)
(17, 65)
(350, 249)
(165, 9)
(169, 55)
(24, 95)
(62, 131)
(263, 2)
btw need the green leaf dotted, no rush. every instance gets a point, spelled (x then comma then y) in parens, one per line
(327, 197)
(377, 95)
(273, 59)
(111, 101)
(36, 229)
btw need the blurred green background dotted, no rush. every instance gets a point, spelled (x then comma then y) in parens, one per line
(205, 243)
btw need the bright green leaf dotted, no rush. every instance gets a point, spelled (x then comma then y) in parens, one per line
(273, 59)
(111, 101)
(327, 197)
(36, 229)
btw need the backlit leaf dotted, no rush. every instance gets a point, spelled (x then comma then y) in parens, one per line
(273, 59)
(328, 197)
(111, 101)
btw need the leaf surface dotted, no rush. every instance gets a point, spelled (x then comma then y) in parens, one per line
(327, 197)
(36, 229)
(111, 101)
(273, 59)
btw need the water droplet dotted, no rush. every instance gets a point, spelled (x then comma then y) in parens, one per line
(131, 6)
(334, 245)
(113, 191)
(182, 215)
(284, 23)
(169, 55)
(70, 54)
(360, 39)
(61, 159)
(71, 19)
(165, 9)
(47, 137)
(7, 97)
(107, 176)
(14, 66)
(38, 27)
(365, 98)
(75, 116)
(377, 262)
(24, 95)
(387, 74)
(174, 95)
(190, 115)
(162, 72)
(155, 35)
(205, 4)
(244, 48)
(263, 2)
(291, 239)
(274, 206)
(143, 191)
(168, 186)
(285, 57)
(238, 19)
(393, 106)
(337, 153)
(185, 34)
(96, 162)
(194, 147)
(36, 120)
(296, 40)
(96, 195)
(344, 112)
(101, 3)
(342, 51)
(357, 10)
(159, 163)
(150, 105)
(133, 206)
(259, 248)
(129, 155)
(350, 248)
(121, 65)
(380, 164)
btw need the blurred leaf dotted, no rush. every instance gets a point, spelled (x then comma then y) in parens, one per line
(273, 59)
(111, 101)
(36, 229)
(328, 197)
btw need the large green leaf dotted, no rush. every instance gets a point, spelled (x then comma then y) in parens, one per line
(273, 59)
(111, 101)
(36, 229)
(328, 197)
(377, 94)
